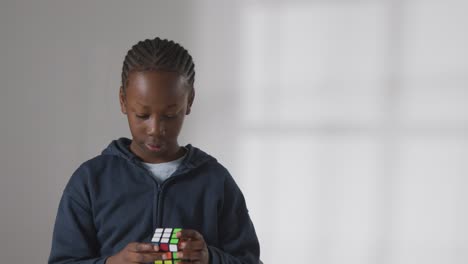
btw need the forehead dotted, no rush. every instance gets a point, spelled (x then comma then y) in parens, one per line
(155, 88)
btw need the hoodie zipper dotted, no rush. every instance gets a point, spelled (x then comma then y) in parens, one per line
(157, 188)
(159, 207)
(159, 194)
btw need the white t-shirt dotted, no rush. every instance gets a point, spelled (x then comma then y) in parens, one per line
(162, 171)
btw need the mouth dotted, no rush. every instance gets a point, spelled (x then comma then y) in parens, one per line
(153, 147)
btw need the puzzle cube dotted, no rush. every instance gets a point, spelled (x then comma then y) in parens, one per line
(166, 239)
(168, 261)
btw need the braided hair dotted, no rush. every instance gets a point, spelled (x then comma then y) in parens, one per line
(158, 54)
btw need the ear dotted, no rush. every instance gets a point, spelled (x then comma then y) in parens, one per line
(123, 102)
(190, 101)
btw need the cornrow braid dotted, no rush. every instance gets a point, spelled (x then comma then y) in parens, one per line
(158, 54)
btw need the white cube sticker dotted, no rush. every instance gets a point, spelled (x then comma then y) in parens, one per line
(172, 248)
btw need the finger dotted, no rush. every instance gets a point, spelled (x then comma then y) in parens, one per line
(189, 233)
(143, 247)
(192, 245)
(191, 255)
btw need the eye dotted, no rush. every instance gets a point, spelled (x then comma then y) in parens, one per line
(143, 116)
(170, 116)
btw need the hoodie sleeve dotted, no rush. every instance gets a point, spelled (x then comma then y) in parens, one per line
(74, 237)
(238, 240)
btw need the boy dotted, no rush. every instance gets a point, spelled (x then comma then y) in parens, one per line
(113, 203)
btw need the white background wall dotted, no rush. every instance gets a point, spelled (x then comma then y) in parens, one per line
(344, 122)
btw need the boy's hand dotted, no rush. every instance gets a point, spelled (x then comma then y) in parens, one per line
(193, 247)
(136, 253)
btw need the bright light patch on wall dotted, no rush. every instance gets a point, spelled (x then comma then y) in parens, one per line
(312, 64)
(308, 71)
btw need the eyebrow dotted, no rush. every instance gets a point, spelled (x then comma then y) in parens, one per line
(145, 106)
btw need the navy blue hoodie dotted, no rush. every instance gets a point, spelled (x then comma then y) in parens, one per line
(112, 200)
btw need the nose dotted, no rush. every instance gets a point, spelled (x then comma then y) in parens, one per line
(156, 127)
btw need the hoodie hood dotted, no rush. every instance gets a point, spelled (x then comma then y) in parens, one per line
(121, 148)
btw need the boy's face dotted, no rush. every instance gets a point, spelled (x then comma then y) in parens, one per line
(156, 103)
